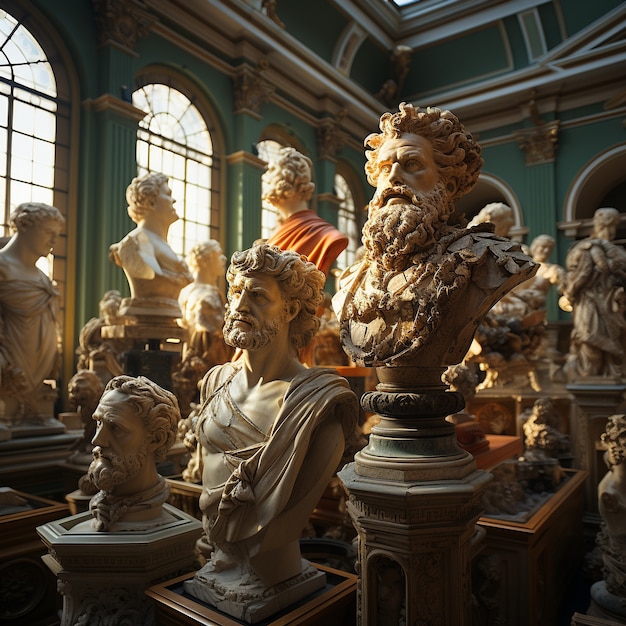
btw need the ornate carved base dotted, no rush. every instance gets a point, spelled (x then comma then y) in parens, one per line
(243, 596)
(333, 605)
(607, 605)
(103, 576)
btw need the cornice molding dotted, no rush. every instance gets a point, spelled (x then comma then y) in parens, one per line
(111, 104)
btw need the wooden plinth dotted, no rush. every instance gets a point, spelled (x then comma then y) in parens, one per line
(524, 569)
(27, 588)
(335, 605)
(501, 448)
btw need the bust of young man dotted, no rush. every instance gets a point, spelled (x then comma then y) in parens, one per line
(301, 229)
(426, 281)
(272, 432)
(155, 273)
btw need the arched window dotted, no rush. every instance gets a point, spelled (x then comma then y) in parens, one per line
(347, 222)
(173, 138)
(28, 125)
(268, 150)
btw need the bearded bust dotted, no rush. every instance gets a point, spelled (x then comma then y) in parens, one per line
(426, 280)
(136, 425)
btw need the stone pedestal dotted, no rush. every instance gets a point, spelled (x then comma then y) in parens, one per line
(606, 605)
(595, 401)
(107, 573)
(415, 500)
(155, 348)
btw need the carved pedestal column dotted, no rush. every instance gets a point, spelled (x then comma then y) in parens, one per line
(415, 499)
(594, 403)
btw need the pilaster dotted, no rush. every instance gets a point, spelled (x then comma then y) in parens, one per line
(244, 199)
(593, 404)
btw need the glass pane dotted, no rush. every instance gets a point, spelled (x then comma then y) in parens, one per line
(29, 96)
(180, 147)
(45, 123)
(24, 118)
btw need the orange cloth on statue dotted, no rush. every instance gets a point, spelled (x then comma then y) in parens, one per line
(307, 233)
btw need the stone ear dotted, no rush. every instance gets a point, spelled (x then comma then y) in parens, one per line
(294, 308)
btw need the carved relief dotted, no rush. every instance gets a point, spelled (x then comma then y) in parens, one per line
(251, 89)
(120, 23)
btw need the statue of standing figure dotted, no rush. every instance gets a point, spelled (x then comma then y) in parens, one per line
(272, 434)
(155, 273)
(594, 293)
(29, 305)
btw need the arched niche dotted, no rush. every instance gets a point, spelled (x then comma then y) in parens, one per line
(600, 183)
(491, 189)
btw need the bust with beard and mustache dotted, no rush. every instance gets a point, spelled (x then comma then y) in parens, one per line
(426, 280)
(137, 423)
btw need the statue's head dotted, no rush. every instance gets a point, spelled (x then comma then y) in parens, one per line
(294, 285)
(541, 247)
(290, 173)
(421, 162)
(499, 214)
(605, 222)
(142, 195)
(29, 214)
(206, 253)
(85, 389)
(137, 424)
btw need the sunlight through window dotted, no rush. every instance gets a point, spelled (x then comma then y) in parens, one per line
(346, 222)
(28, 109)
(268, 150)
(173, 139)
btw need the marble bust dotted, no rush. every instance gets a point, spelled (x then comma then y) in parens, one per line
(155, 273)
(202, 303)
(29, 305)
(426, 281)
(272, 433)
(301, 229)
(136, 425)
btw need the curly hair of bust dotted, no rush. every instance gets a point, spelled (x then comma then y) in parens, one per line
(157, 407)
(29, 213)
(456, 154)
(615, 426)
(200, 253)
(299, 280)
(142, 193)
(291, 171)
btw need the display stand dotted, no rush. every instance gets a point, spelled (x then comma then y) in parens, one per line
(578, 619)
(334, 605)
(501, 448)
(156, 348)
(28, 590)
(524, 569)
